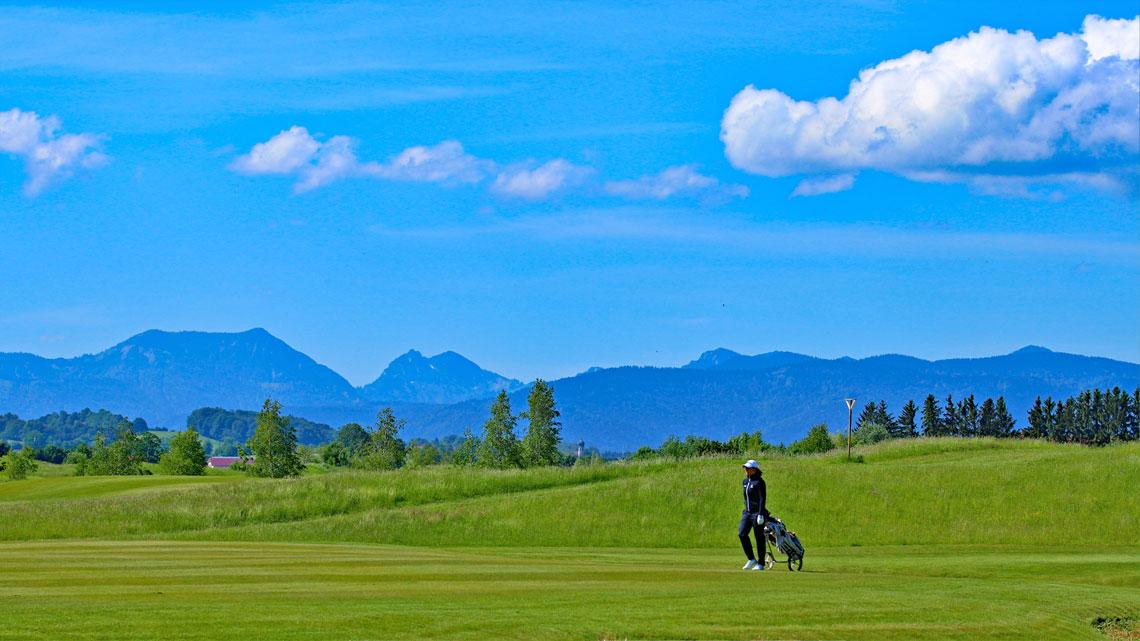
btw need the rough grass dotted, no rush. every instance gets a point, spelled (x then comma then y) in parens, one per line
(214, 505)
(943, 491)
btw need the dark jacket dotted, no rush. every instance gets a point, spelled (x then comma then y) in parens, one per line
(755, 494)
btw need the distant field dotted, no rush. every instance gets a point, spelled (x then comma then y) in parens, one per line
(931, 539)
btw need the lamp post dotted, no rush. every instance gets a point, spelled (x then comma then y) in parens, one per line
(850, 413)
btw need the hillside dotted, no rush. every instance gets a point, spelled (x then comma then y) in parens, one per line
(163, 376)
(924, 491)
(783, 394)
(929, 539)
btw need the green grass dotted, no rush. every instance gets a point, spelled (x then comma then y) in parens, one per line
(929, 539)
(283, 592)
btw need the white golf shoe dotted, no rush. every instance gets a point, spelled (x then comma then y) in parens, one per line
(752, 565)
(758, 566)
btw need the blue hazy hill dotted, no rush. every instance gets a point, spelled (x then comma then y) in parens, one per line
(164, 376)
(442, 379)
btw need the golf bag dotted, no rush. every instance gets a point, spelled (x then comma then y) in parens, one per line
(784, 540)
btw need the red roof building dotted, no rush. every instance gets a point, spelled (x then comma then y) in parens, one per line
(222, 462)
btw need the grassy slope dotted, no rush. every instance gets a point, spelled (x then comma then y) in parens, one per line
(926, 540)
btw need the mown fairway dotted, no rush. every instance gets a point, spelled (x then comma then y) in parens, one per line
(927, 540)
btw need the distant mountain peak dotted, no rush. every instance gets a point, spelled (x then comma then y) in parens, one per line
(447, 377)
(1032, 349)
(722, 359)
(714, 358)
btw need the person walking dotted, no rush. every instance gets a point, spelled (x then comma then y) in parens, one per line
(754, 514)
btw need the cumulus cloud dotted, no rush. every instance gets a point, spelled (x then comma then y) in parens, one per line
(315, 163)
(445, 162)
(991, 104)
(48, 155)
(681, 180)
(540, 182)
(285, 153)
(824, 185)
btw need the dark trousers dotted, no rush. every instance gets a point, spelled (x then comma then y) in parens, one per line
(748, 524)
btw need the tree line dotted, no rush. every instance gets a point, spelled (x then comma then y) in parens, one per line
(1093, 417)
(497, 446)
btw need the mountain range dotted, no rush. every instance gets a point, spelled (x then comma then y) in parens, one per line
(163, 376)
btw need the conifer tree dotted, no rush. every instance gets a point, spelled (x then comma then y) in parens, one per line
(987, 419)
(1050, 416)
(906, 428)
(1038, 421)
(1005, 423)
(931, 417)
(884, 418)
(540, 445)
(500, 446)
(968, 417)
(951, 422)
(868, 415)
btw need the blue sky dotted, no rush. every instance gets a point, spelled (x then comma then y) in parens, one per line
(548, 188)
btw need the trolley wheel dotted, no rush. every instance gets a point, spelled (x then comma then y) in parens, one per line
(795, 566)
(769, 561)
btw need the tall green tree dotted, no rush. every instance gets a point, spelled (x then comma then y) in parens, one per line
(274, 444)
(500, 446)
(951, 422)
(883, 417)
(353, 437)
(931, 417)
(121, 457)
(987, 419)
(969, 419)
(1004, 422)
(868, 415)
(149, 445)
(540, 445)
(385, 449)
(1038, 421)
(906, 427)
(186, 456)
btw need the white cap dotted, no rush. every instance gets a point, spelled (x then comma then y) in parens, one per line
(752, 463)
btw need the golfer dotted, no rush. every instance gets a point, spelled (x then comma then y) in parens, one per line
(754, 515)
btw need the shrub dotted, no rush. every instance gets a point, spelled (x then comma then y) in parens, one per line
(870, 433)
(20, 464)
(816, 441)
(186, 455)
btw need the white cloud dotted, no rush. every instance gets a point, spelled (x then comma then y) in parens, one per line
(1108, 38)
(446, 162)
(542, 181)
(315, 163)
(48, 156)
(284, 153)
(680, 180)
(989, 104)
(824, 185)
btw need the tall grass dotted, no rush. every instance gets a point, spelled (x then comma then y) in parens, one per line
(1001, 494)
(925, 491)
(246, 501)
